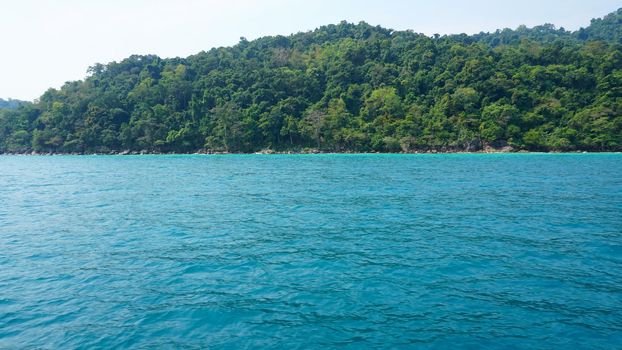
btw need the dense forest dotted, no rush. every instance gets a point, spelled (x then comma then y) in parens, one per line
(344, 87)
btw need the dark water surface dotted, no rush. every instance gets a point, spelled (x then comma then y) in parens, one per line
(315, 251)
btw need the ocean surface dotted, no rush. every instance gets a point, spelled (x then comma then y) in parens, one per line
(507, 251)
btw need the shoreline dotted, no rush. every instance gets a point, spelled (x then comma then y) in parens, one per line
(313, 152)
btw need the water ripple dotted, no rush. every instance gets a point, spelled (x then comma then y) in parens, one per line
(324, 251)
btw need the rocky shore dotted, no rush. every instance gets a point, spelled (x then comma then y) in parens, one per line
(486, 150)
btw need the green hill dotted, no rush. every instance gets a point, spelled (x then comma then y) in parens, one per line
(345, 87)
(608, 28)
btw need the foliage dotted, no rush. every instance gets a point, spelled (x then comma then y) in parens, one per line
(345, 87)
(608, 28)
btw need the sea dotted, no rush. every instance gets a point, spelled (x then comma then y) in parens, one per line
(327, 251)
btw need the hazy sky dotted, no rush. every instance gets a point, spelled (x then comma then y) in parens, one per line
(47, 42)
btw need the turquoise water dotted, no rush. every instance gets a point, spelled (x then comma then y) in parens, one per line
(315, 251)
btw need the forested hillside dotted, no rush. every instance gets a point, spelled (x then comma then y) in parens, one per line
(345, 87)
(608, 28)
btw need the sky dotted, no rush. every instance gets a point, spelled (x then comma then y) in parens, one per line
(48, 42)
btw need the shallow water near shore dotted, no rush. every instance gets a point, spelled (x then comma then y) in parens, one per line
(311, 251)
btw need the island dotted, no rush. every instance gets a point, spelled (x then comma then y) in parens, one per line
(344, 88)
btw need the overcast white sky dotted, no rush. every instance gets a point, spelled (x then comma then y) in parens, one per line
(47, 42)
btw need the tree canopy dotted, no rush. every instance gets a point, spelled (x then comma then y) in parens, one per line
(344, 87)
